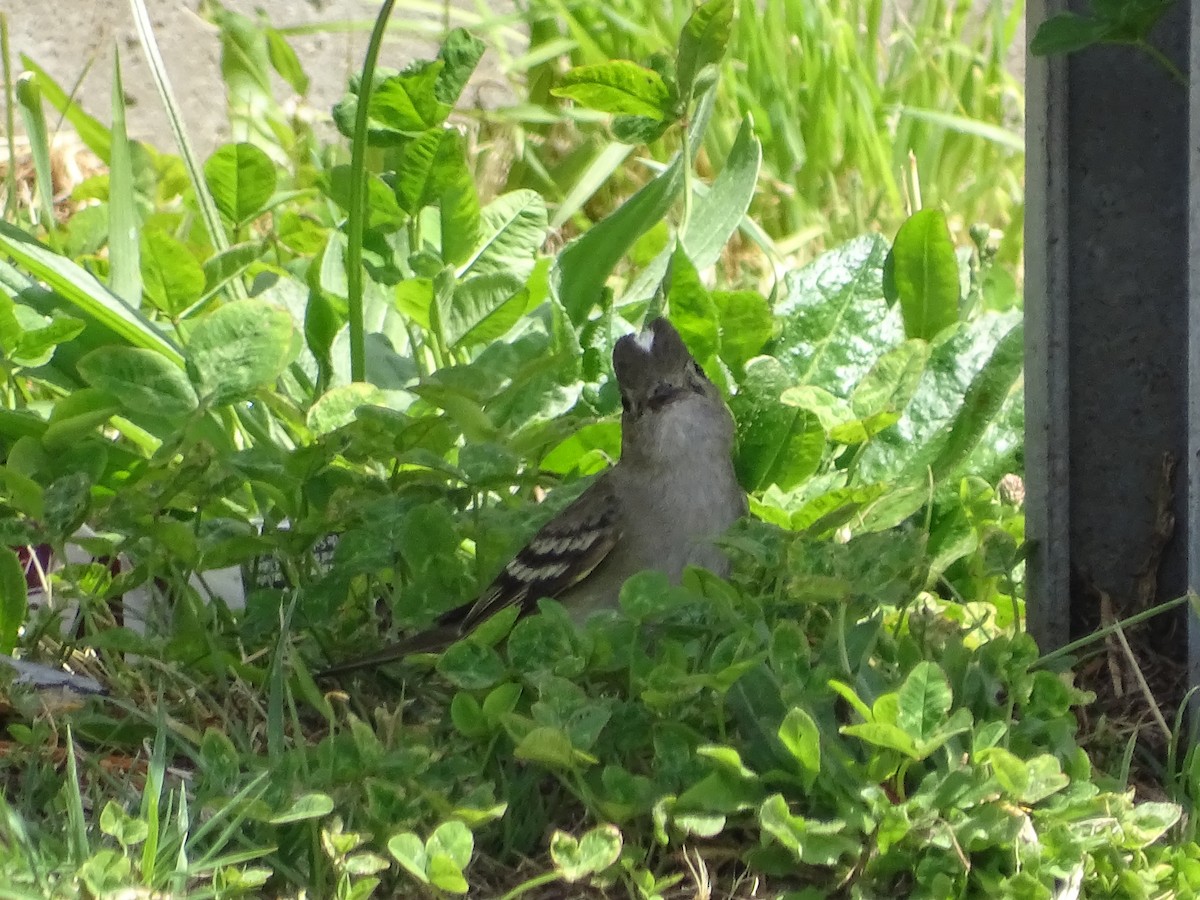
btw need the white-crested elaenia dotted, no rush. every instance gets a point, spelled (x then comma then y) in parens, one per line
(660, 507)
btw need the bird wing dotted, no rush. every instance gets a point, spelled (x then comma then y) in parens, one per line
(562, 553)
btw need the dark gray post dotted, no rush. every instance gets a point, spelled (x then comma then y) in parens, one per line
(1107, 324)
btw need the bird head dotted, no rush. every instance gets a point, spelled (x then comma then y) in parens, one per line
(664, 389)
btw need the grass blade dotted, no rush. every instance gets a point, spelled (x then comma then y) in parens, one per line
(125, 277)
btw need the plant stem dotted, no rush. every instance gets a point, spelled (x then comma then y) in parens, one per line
(356, 220)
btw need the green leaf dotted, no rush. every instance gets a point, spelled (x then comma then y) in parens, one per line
(460, 53)
(881, 734)
(1067, 33)
(453, 840)
(339, 406)
(409, 851)
(285, 61)
(173, 278)
(620, 86)
(80, 288)
(445, 875)
(924, 269)
(242, 180)
(549, 747)
(777, 444)
(512, 231)
(584, 266)
(124, 274)
(746, 324)
(307, 806)
(692, 309)
(408, 102)
(892, 381)
(240, 347)
(142, 380)
(800, 736)
(717, 212)
(703, 41)
(834, 318)
(471, 666)
(596, 851)
(14, 599)
(482, 309)
(982, 403)
(924, 701)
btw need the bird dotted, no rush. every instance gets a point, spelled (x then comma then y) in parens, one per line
(670, 495)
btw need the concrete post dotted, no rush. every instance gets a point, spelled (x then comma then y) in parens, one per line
(1109, 331)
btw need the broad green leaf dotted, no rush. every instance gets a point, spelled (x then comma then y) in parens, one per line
(471, 666)
(746, 324)
(242, 180)
(777, 444)
(445, 875)
(142, 380)
(339, 406)
(1067, 33)
(457, 200)
(892, 381)
(692, 309)
(482, 309)
(881, 734)
(77, 415)
(306, 806)
(460, 52)
(984, 398)
(836, 507)
(416, 180)
(28, 338)
(172, 276)
(833, 316)
(596, 851)
(409, 851)
(924, 269)
(14, 599)
(717, 212)
(703, 41)
(1010, 770)
(924, 701)
(408, 102)
(814, 843)
(548, 747)
(800, 736)
(81, 289)
(620, 86)
(285, 61)
(468, 717)
(908, 450)
(240, 347)
(512, 232)
(453, 840)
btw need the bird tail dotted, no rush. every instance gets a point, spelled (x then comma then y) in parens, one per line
(433, 641)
